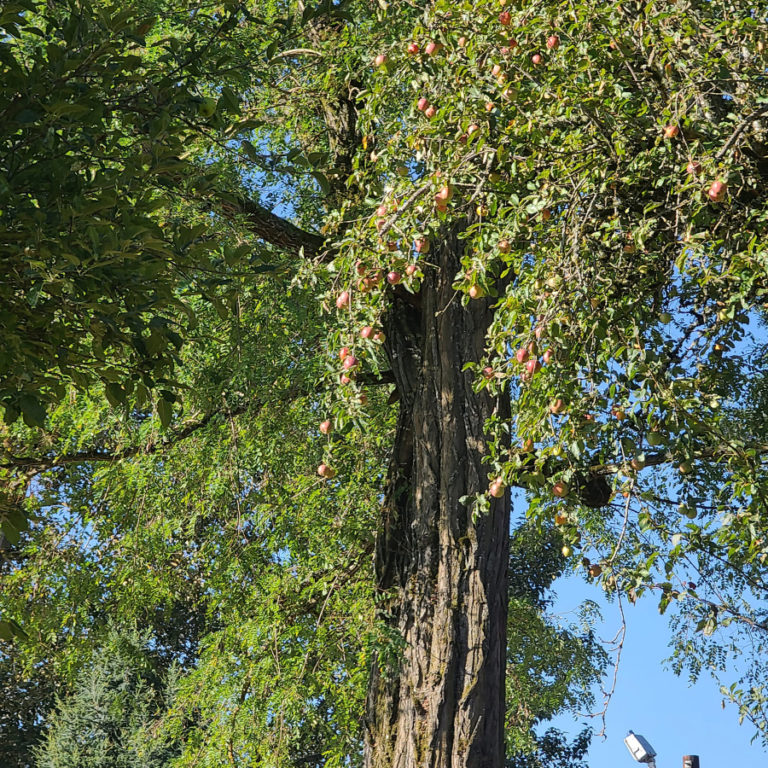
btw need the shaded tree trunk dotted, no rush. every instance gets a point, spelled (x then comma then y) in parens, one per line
(438, 700)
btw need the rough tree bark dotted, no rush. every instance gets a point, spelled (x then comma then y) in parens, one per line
(440, 703)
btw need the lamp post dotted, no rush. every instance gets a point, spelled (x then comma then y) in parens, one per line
(640, 749)
(643, 752)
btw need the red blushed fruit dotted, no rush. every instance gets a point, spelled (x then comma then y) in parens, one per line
(381, 210)
(366, 332)
(496, 70)
(474, 128)
(505, 17)
(539, 332)
(325, 427)
(693, 168)
(344, 379)
(476, 292)
(431, 48)
(411, 270)
(342, 300)
(462, 42)
(489, 105)
(413, 49)
(521, 355)
(546, 214)
(547, 356)
(512, 43)
(557, 406)
(504, 246)
(344, 352)
(322, 469)
(360, 268)
(421, 245)
(536, 58)
(671, 131)
(350, 362)
(378, 336)
(488, 372)
(553, 41)
(393, 278)
(527, 445)
(619, 414)
(444, 194)
(430, 112)
(560, 489)
(380, 60)
(422, 104)
(496, 488)
(533, 366)
(717, 190)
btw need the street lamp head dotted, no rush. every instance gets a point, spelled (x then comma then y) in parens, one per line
(640, 749)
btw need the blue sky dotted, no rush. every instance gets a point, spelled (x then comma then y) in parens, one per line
(676, 718)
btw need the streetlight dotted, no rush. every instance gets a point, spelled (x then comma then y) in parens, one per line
(643, 752)
(640, 749)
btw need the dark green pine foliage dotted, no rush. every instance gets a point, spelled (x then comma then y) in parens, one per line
(110, 721)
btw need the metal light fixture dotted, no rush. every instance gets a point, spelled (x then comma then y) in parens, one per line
(640, 749)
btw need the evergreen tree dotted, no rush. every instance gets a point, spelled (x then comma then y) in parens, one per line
(110, 719)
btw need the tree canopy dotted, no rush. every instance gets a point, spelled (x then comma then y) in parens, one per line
(294, 294)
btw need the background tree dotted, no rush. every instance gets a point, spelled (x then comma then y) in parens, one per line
(109, 719)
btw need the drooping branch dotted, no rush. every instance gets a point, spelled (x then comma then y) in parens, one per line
(34, 465)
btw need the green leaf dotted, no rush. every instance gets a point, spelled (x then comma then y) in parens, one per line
(115, 394)
(165, 412)
(32, 411)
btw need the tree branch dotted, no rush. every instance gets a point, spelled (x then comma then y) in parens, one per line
(272, 228)
(34, 465)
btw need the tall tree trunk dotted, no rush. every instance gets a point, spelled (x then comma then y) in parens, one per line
(438, 700)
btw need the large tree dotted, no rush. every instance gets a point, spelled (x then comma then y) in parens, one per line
(543, 224)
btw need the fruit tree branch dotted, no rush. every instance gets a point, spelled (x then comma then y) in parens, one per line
(272, 228)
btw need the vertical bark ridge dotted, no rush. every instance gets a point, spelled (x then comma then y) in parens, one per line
(440, 702)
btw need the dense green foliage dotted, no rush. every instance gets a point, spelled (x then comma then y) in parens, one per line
(108, 721)
(172, 347)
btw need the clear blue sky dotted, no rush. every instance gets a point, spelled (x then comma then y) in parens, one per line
(677, 719)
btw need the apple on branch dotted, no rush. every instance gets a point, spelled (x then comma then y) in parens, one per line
(533, 366)
(716, 191)
(496, 488)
